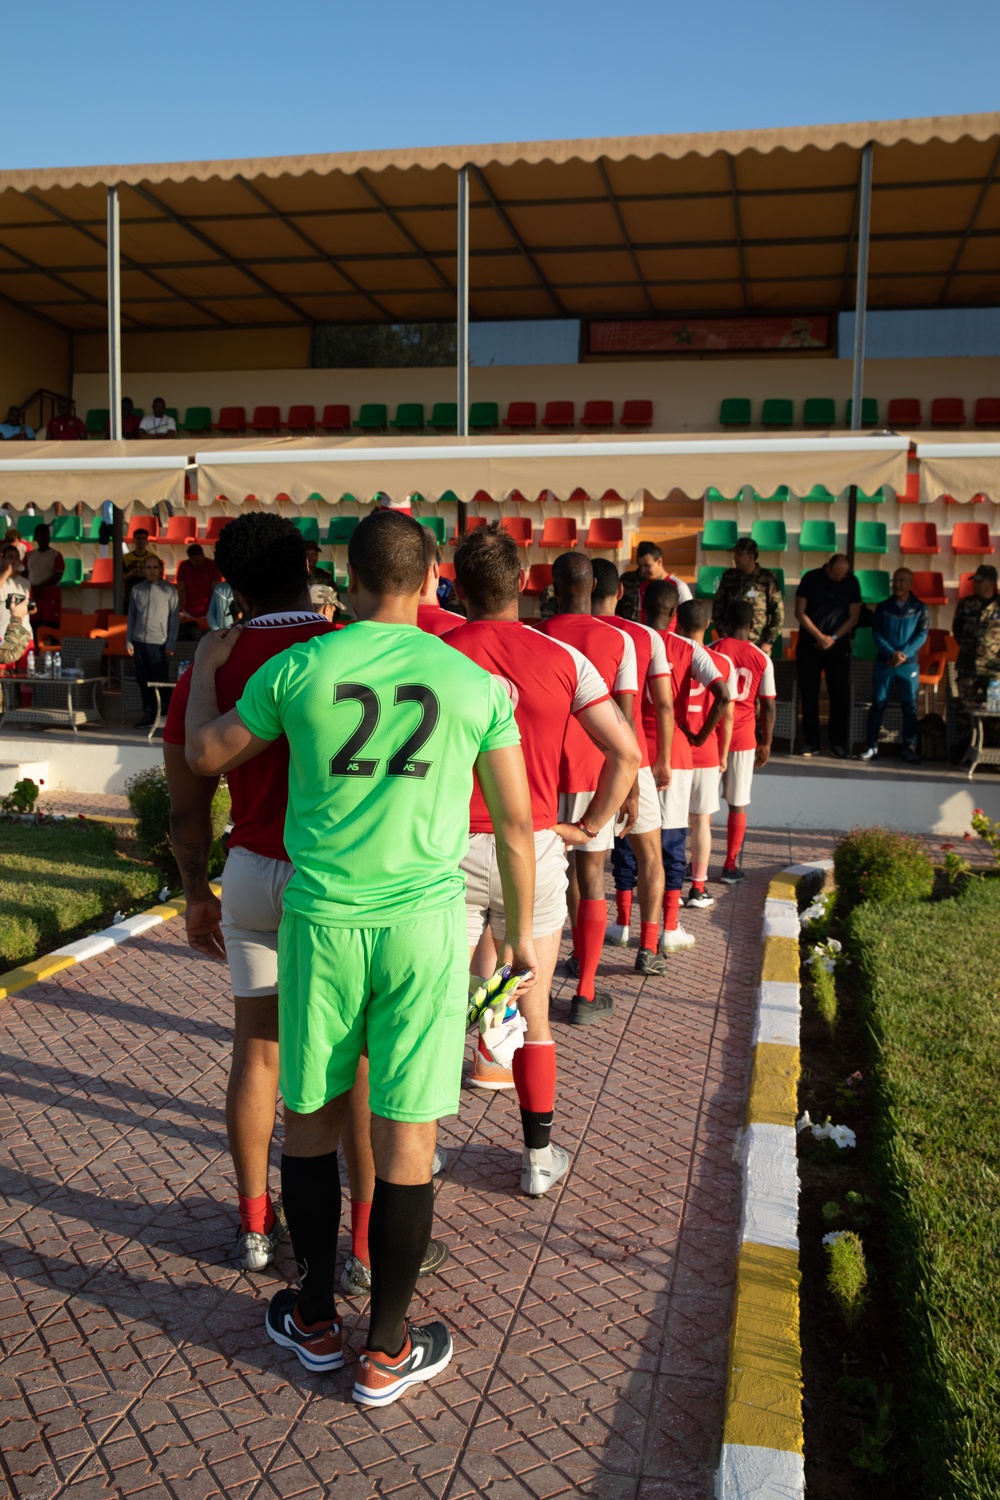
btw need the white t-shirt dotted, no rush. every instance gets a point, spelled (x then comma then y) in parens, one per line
(158, 425)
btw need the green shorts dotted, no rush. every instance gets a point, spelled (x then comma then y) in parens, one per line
(400, 991)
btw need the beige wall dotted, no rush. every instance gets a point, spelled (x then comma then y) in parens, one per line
(268, 349)
(685, 396)
(32, 355)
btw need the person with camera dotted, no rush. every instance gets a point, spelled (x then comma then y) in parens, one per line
(17, 636)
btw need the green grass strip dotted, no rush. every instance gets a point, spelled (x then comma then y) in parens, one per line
(932, 979)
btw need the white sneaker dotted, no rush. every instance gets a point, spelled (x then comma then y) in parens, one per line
(541, 1169)
(869, 753)
(617, 935)
(672, 942)
(440, 1160)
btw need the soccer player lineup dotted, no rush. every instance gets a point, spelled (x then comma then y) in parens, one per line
(421, 799)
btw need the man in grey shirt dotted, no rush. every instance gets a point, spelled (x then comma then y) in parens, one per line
(153, 622)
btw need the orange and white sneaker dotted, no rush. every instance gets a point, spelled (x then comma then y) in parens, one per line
(319, 1346)
(382, 1380)
(489, 1075)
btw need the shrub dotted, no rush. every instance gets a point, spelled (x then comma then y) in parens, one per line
(149, 800)
(879, 866)
(23, 798)
(847, 1274)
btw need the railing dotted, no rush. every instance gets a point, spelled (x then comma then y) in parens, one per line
(46, 402)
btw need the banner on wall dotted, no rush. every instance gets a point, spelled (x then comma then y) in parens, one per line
(709, 335)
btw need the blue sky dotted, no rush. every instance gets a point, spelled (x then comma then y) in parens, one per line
(104, 83)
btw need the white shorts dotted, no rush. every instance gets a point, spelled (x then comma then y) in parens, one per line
(572, 807)
(484, 894)
(648, 820)
(252, 889)
(675, 802)
(705, 789)
(738, 778)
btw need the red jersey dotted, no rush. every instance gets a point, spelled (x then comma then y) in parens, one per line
(548, 683)
(437, 621)
(66, 430)
(683, 594)
(199, 586)
(698, 706)
(650, 661)
(611, 651)
(689, 663)
(754, 679)
(259, 789)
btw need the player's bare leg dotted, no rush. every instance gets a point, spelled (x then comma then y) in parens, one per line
(251, 1099)
(649, 876)
(701, 854)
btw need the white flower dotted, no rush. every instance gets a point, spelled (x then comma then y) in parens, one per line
(804, 1123)
(117, 918)
(164, 893)
(842, 1135)
(834, 1236)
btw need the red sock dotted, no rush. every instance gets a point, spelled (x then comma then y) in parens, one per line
(671, 907)
(648, 933)
(360, 1214)
(735, 833)
(697, 885)
(535, 1076)
(256, 1214)
(588, 940)
(484, 1051)
(623, 901)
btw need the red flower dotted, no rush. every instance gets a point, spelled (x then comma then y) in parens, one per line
(946, 847)
(967, 836)
(977, 812)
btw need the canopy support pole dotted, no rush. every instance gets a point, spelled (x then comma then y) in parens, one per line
(860, 317)
(114, 318)
(462, 338)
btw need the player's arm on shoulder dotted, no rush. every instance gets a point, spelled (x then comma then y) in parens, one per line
(215, 743)
(503, 781)
(191, 838)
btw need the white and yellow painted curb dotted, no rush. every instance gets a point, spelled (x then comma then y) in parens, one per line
(762, 1447)
(40, 969)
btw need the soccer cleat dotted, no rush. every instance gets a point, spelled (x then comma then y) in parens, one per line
(356, 1277)
(648, 962)
(319, 1348)
(675, 940)
(869, 752)
(255, 1251)
(489, 1075)
(439, 1160)
(700, 900)
(584, 1012)
(729, 875)
(617, 936)
(541, 1169)
(381, 1381)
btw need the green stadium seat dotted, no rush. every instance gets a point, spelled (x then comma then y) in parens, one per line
(818, 536)
(484, 416)
(139, 412)
(871, 536)
(171, 411)
(779, 574)
(3, 526)
(373, 417)
(770, 536)
(72, 576)
(875, 499)
(819, 411)
(93, 532)
(409, 416)
(197, 419)
(716, 497)
(707, 584)
(780, 497)
(340, 530)
(308, 526)
(444, 417)
(67, 529)
(448, 497)
(719, 536)
(436, 525)
(869, 411)
(863, 647)
(96, 420)
(819, 495)
(735, 412)
(28, 525)
(777, 413)
(875, 585)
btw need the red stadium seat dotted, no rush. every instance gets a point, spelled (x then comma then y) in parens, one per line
(987, 411)
(973, 537)
(447, 570)
(918, 538)
(539, 578)
(598, 415)
(522, 416)
(965, 585)
(265, 419)
(214, 527)
(103, 574)
(637, 416)
(948, 411)
(143, 523)
(231, 419)
(929, 587)
(180, 532)
(559, 416)
(301, 418)
(520, 528)
(904, 411)
(472, 523)
(605, 535)
(558, 532)
(335, 419)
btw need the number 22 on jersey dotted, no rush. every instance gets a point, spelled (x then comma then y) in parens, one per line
(349, 761)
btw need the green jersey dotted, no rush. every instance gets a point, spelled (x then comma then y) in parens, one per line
(384, 724)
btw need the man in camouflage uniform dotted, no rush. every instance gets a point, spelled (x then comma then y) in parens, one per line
(976, 628)
(17, 637)
(759, 587)
(649, 568)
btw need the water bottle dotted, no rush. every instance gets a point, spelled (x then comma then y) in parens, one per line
(29, 665)
(993, 695)
(57, 664)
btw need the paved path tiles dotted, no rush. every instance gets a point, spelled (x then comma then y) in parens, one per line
(590, 1329)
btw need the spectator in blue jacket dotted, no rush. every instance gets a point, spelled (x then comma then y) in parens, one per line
(899, 631)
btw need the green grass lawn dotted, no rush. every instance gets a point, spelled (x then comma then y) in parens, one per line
(932, 978)
(59, 882)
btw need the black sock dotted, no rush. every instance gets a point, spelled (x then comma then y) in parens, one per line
(310, 1194)
(537, 1128)
(398, 1234)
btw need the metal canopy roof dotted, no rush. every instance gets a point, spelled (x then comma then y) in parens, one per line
(631, 227)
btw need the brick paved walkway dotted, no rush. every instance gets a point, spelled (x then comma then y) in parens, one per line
(92, 804)
(590, 1329)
